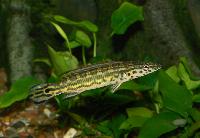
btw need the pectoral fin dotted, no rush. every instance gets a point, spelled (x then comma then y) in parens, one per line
(70, 95)
(114, 87)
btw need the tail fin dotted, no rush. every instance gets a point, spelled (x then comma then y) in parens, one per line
(42, 92)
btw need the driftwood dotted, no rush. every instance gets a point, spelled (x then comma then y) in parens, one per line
(166, 36)
(19, 44)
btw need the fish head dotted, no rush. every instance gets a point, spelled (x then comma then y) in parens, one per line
(142, 69)
(42, 92)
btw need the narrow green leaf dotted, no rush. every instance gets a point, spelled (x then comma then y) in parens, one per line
(63, 19)
(43, 60)
(83, 38)
(158, 125)
(77, 118)
(124, 16)
(62, 61)
(19, 91)
(104, 128)
(175, 97)
(60, 31)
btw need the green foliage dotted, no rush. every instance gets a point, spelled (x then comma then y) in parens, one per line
(82, 38)
(139, 111)
(175, 97)
(172, 72)
(158, 125)
(184, 76)
(87, 25)
(174, 110)
(137, 116)
(150, 106)
(111, 127)
(62, 61)
(124, 16)
(60, 30)
(133, 86)
(19, 91)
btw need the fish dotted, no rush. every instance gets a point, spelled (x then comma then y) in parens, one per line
(91, 77)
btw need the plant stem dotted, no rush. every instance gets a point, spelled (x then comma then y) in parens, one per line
(67, 45)
(157, 108)
(83, 55)
(95, 45)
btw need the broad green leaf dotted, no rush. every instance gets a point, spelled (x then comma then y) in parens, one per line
(60, 30)
(184, 61)
(134, 121)
(115, 125)
(195, 114)
(175, 97)
(74, 44)
(82, 38)
(158, 125)
(124, 16)
(43, 60)
(117, 99)
(193, 128)
(93, 93)
(108, 98)
(136, 117)
(111, 127)
(62, 61)
(133, 86)
(190, 84)
(149, 80)
(19, 91)
(172, 72)
(87, 25)
(139, 111)
(196, 98)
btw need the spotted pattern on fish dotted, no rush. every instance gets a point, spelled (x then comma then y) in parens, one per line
(92, 77)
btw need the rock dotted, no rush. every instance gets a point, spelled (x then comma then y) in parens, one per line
(11, 133)
(71, 133)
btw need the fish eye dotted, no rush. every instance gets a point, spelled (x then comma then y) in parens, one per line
(146, 66)
(47, 90)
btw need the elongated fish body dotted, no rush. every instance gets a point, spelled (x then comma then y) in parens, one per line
(92, 77)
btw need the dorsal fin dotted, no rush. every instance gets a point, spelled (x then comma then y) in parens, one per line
(89, 68)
